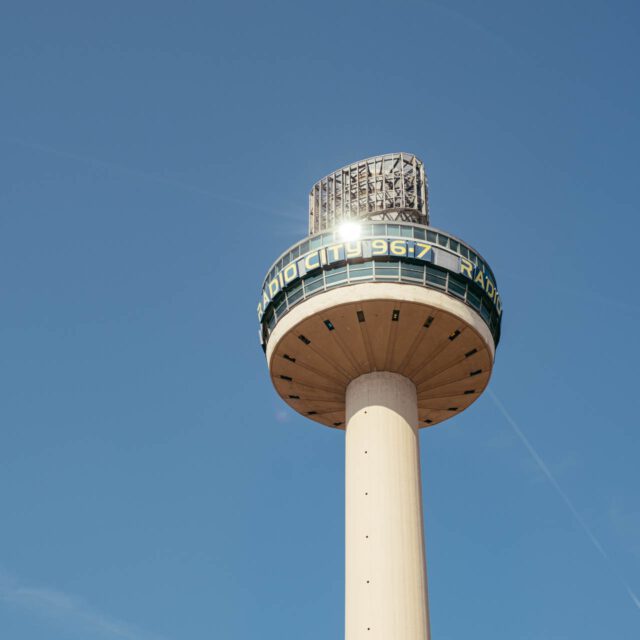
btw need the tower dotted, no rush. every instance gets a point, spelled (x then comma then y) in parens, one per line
(379, 325)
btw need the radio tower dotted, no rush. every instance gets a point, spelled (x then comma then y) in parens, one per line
(378, 324)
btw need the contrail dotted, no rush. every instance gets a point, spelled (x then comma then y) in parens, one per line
(565, 498)
(144, 175)
(68, 610)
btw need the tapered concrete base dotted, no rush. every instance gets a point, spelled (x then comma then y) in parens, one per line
(386, 586)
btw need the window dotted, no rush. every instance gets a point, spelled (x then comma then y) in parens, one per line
(443, 241)
(363, 270)
(313, 284)
(431, 236)
(473, 299)
(412, 271)
(281, 308)
(315, 243)
(379, 229)
(457, 287)
(386, 270)
(393, 230)
(295, 294)
(406, 232)
(436, 277)
(418, 234)
(336, 275)
(454, 245)
(484, 311)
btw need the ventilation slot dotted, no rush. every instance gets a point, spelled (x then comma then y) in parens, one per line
(427, 322)
(304, 339)
(475, 373)
(329, 325)
(468, 392)
(395, 315)
(454, 335)
(360, 315)
(289, 358)
(452, 409)
(287, 378)
(311, 413)
(427, 421)
(337, 424)
(470, 353)
(294, 397)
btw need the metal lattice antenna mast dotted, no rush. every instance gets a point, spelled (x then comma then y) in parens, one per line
(389, 187)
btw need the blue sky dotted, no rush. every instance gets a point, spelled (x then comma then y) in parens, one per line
(156, 157)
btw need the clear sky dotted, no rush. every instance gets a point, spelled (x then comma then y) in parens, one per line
(156, 158)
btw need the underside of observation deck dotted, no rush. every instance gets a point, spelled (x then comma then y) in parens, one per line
(446, 358)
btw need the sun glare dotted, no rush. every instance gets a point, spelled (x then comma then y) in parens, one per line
(349, 231)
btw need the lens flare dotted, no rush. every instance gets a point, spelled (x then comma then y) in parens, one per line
(349, 231)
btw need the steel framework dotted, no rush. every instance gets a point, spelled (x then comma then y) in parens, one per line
(388, 187)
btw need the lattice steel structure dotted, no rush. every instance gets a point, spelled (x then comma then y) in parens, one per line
(389, 187)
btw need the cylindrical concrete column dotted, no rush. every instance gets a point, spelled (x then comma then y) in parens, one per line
(386, 585)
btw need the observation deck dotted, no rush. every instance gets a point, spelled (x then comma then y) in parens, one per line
(377, 289)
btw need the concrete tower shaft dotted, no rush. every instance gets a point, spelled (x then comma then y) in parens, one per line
(385, 572)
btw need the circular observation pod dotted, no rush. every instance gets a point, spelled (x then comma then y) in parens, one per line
(402, 298)
(387, 187)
